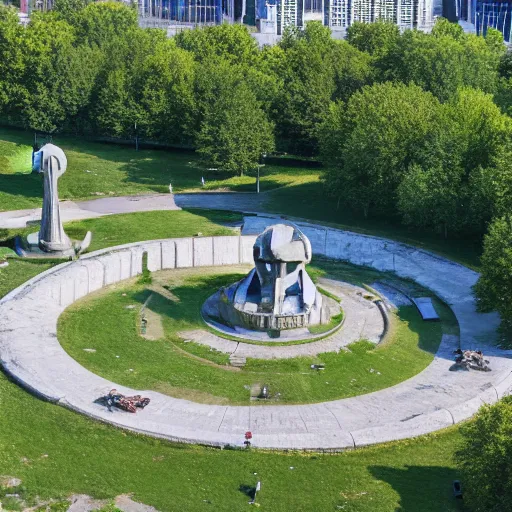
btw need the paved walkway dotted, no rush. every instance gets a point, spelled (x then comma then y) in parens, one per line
(362, 320)
(240, 202)
(130, 204)
(434, 399)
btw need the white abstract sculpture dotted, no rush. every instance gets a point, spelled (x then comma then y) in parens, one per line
(52, 237)
(278, 293)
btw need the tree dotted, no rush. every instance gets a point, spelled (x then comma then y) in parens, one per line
(70, 10)
(235, 131)
(505, 65)
(384, 129)
(377, 39)
(485, 458)
(428, 198)
(494, 288)
(12, 63)
(230, 42)
(352, 70)
(58, 76)
(482, 130)
(444, 27)
(495, 43)
(442, 62)
(102, 23)
(308, 85)
(503, 97)
(461, 192)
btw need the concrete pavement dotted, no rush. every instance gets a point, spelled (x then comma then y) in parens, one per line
(93, 208)
(434, 399)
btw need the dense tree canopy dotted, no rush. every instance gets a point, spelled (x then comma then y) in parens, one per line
(371, 142)
(485, 458)
(495, 284)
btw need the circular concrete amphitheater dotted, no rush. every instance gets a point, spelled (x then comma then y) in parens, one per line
(436, 398)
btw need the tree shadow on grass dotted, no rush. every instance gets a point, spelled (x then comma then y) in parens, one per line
(248, 490)
(20, 186)
(421, 488)
(190, 297)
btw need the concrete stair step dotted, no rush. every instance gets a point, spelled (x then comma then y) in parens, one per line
(238, 361)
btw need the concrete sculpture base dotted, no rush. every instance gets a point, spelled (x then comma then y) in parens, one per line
(220, 313)
(28, 247)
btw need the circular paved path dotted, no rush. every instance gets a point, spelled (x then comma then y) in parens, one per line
(436, 398)
(363, 320)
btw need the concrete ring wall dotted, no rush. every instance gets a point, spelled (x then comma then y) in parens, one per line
(436, 398)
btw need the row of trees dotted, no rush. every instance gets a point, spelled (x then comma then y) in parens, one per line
(395, 149)
(89, 68)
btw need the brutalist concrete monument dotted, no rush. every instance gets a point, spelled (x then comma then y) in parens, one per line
(51, 240)
(278, 294)
(52, 237)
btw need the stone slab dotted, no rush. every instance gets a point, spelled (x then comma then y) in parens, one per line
(426, 308)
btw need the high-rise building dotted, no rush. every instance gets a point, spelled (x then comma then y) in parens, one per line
(405, 13)
(479, 15)
(188, 11)
(497, 15)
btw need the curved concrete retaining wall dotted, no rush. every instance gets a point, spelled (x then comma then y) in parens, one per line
(436, 398)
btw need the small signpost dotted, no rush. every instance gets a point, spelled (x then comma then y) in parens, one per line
(256, 490)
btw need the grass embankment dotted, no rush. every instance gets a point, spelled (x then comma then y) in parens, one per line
(98, 170)
(110, 324)
(57, 452)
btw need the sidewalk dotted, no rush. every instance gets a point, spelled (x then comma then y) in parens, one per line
(90, 209)
(129, 204)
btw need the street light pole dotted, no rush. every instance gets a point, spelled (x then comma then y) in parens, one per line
(262, 164)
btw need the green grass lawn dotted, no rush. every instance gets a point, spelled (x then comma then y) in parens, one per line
(57, 452)
(135, 227)
(98, 170)
(126, 228)
(105, 323)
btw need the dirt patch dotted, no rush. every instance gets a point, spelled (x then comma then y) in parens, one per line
(154, 327)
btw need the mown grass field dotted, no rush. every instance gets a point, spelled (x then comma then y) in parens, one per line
(109, 322)
(98, 169)
(57, 452)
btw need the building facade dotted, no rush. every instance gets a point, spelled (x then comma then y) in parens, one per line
(340, 14)
(404, 13)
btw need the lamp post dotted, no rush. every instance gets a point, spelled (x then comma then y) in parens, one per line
(262, 164)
